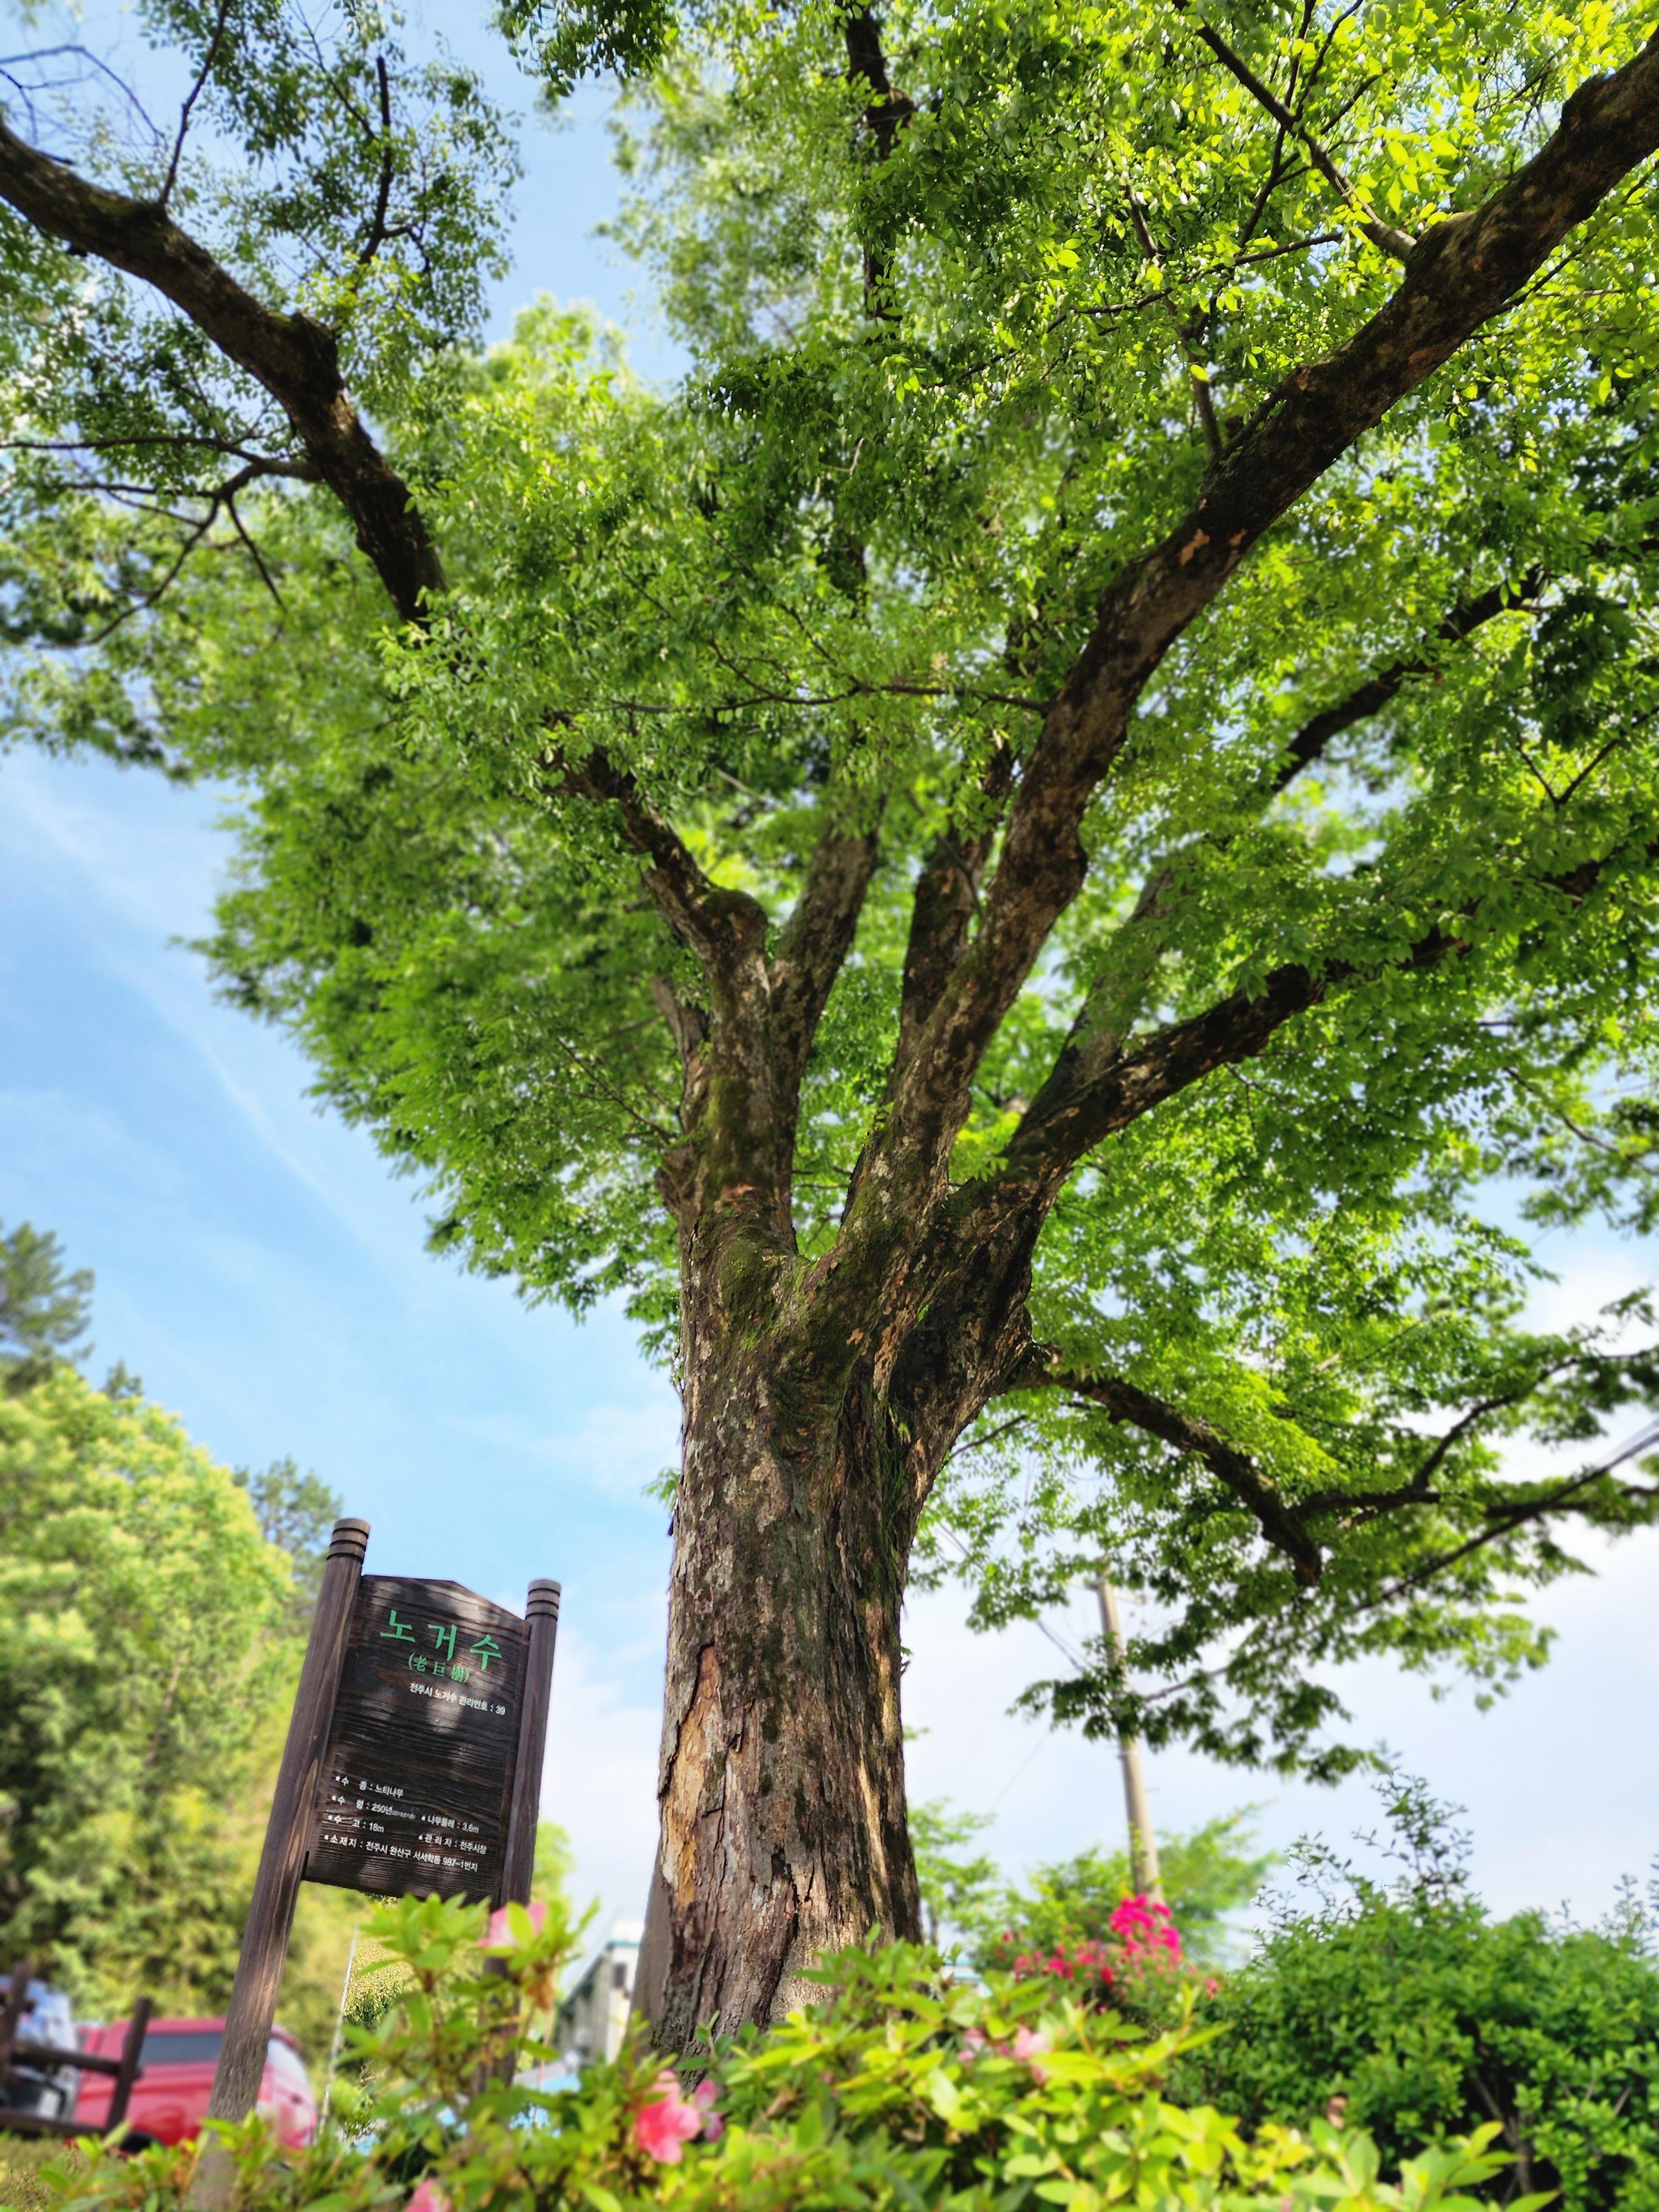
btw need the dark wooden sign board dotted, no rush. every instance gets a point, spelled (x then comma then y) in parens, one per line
(416, 1784)
(412, 1767)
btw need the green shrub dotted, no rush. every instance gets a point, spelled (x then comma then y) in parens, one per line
(24, 2161)
(1429, 2017)
(901, 2090)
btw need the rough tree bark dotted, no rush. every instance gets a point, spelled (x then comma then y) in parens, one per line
(782, 1780)
(807, 1461)
(822, 1397)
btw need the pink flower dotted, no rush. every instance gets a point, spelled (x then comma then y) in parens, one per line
(669, 2121)
(1144, 1926)
(427, 2197)
(972, 2044)
(713, 2127)
(499, 1936)
(1029, 2047)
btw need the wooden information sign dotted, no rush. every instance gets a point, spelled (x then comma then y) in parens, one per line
(417, 1779)
(413, 1767)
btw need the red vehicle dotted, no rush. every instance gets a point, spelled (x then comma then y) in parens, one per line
(170, 2097)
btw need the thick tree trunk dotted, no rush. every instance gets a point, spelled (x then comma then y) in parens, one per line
(782, 1784)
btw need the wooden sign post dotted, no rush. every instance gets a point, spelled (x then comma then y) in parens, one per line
(412, 1767)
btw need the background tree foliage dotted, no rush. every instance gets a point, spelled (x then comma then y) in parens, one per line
(1209, 1873)
(43, 1308)
(155, 1628)
(144, 1603)
(1049, 865)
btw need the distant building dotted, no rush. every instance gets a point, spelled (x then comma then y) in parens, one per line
(592, 2019)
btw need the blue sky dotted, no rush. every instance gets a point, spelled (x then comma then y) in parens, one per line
(265, 1273)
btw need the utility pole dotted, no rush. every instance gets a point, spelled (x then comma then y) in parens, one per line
(1143, 1840)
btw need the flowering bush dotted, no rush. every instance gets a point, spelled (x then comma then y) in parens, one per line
(900, 2090)
(1135, 1968)
(1144, 1928)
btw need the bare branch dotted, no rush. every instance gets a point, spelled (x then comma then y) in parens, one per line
(9, 62)
(191, 98)
(268, 465)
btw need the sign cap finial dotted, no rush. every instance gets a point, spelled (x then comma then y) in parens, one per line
(349, 1540)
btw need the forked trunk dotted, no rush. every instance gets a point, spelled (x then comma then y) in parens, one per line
(782, 1782)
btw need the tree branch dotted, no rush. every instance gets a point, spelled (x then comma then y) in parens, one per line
(1460, 274)
(191, 99)
(1285, 1524)
(1197, 374)
(376, 235)
(731, 1176)
(888, 111)
(1137, 948)
(885, 114)
(1278, 1520)
(1238, 1027)
(1383, 235)
(1065, 1123)
(719, 926)
(296, 360)
(946, 904)
(1418, 1492)
(264, 465)
(814, 943)
(1370, 698)
(1503, 1520)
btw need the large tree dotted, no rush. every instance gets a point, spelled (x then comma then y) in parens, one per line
(1041, 863)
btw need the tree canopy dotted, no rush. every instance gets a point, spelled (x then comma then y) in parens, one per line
(1047, 864)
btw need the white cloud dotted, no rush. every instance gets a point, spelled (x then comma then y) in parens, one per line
(614, 1446)
(1591, 1267)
